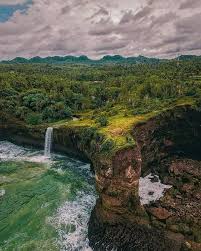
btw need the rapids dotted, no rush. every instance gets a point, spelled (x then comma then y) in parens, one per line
(45, 203)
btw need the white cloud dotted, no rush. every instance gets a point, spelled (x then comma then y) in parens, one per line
(91, 27)
(12, 2)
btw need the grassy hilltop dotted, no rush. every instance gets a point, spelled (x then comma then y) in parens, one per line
(106, 99)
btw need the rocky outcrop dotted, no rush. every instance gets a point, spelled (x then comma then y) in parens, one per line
(168, 145)
(117, 182)
(174, 132)
(182, 202)
(133, 237)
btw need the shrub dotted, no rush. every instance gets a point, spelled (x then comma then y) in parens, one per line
(8, 105)
(87, 135)
(198, 105)
(8, 92)
(102, 120)
(107, 145)
(35, 101)
(56, 112)
(112, 112)
(34, 119)
(129, 139)
(21, 112)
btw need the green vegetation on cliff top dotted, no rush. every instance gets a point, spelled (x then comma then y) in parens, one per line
(109, 99)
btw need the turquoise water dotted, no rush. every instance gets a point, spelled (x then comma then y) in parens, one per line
(45, 204)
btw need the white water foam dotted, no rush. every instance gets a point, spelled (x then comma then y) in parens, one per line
(2, 192)
(72, 217)
(71, 222)
(12, 152)
(151, 191)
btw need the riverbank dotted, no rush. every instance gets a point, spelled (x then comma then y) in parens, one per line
(170, 135)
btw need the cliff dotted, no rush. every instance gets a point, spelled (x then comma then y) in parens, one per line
(166, 143)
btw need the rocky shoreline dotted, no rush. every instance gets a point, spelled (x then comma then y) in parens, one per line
(168, 145)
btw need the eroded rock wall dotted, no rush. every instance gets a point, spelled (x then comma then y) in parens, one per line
(170, 146)
(174, 132)
(171, 135)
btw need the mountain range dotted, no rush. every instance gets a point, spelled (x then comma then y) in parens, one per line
(116, 59)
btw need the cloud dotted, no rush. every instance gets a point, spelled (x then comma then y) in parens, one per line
(12, 2)
(139, 16)
(190, 4)
(162, 28)
(100, 12)
(110, 44)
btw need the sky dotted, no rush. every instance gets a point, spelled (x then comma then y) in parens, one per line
(153, 28)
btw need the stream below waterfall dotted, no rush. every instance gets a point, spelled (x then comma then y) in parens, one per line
(45, 203)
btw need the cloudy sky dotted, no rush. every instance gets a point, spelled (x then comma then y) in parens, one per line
(158, 28)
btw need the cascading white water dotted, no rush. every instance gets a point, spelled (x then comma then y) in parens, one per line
(48, 141)
(70, 218)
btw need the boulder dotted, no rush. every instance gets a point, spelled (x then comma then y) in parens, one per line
(159, 213)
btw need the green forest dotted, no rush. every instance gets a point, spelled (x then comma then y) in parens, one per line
(43, 93)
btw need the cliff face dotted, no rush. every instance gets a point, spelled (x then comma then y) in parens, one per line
(168, 145)
(173, 132)
(118, 183)
(117, 175)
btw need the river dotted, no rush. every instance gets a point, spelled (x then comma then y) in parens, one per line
(45, 203)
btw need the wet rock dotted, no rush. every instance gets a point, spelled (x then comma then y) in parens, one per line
(178, 196)
(159, 213)
(197, 195)
(154, 179)
(183, 228)
(150, 193)
(168, 180)
(179, 238)
(158, 224)
(186, 166)
(187, 188)
(168, 143)
(174, 228)
(195, 246)
(129, 237)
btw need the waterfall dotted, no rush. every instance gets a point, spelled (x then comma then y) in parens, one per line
(48, 141)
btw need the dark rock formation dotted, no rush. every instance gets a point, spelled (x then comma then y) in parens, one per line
(168, 145)
(131, 237)
(163, 145)
(174, 132)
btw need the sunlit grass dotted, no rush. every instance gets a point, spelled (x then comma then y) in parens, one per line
(120, 125)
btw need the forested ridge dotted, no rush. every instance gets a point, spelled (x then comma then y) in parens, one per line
(107, 59)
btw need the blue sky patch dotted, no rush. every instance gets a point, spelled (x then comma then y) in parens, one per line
(6, 11)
